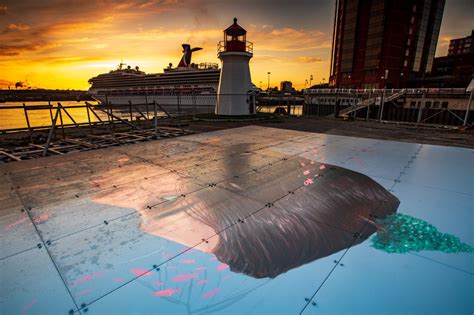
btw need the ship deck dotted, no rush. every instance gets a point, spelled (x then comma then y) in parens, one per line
(80, 232)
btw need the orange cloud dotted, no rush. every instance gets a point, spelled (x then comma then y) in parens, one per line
(17, 27)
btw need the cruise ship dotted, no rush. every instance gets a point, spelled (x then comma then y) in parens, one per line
(188, 87)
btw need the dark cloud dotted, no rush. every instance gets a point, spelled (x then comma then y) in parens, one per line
(3, 10)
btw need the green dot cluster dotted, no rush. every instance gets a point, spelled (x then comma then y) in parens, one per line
(401, 233)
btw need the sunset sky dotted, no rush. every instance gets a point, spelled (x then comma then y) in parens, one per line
(63, 43)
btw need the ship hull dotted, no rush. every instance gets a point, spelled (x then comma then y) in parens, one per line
(173, 104)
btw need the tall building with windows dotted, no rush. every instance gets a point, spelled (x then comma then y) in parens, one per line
(460, 46)
(382, 43)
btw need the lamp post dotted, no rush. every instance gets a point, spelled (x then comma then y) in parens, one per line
(268, 86)
(310, 80)
(305, 83)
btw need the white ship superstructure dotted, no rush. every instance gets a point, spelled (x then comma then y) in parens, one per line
(191, 86)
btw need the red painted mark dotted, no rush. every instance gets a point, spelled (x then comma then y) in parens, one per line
(316, 175)
(141, 272)
(29, 305)
(88, 277)
(42, 217)
(211, 293)
(312, 162)
(166, 292)
(8, 227)
(119, 279)
(222, 267)
(322, 167)
(84, 292)
(306, 172)
(201, 268)
(188, 261)
(202, 281)
(185, 277)
(308, 181)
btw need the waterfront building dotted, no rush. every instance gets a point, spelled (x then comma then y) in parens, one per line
(460, 46)
(383, 43)
(286, 87)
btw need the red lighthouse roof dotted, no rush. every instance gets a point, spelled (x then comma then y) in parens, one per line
(235, 29)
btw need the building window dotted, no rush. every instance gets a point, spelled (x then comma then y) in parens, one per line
(436, 105)
(444, 105)
(412, 20)
(419, 104)
(410, 31)
(428, 104)
(408, 42)
(414, 8)
(413, 104)
(405, 63)
(407, 52)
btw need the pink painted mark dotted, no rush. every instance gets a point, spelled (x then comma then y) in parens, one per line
(8, 227)
(322, 167)
(85, 292)
(158, 283)
(316, 175)
(188, 261)
(29, 305)
(123, 159)
(201, 268)
(302, 164)
(185, 277)
(171, 267)
(222, 267)
(202, 281)
(211, 293)
(308, 181)
(119, 280)
(167, 255)
(312, 162)
(227, 277)
(213, 258)
(141, 272)
(306, 172)
(88, 277)
(166, 292)
(41, 218)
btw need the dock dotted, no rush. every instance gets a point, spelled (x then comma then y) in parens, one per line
(125, 229)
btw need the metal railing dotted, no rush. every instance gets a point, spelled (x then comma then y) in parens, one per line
(248, 47)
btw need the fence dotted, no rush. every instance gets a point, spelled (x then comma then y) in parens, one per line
(390, 105)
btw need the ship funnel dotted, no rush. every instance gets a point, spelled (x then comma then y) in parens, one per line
(187, 53)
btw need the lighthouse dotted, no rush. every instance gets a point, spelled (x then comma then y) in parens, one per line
(235, 95)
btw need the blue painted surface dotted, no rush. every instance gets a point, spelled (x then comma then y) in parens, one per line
(110, 266)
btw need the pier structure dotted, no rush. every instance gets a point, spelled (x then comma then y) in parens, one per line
(235, 95)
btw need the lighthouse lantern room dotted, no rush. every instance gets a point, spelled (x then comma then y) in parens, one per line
(235, 94)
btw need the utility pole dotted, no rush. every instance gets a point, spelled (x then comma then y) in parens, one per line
(268, 86)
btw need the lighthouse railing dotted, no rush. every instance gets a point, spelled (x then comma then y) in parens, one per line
(221, 47)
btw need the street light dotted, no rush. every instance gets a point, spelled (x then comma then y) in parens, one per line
(310, 79)
(268, 86)
(305, 83)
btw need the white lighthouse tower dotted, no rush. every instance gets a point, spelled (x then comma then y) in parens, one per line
(235, 95)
